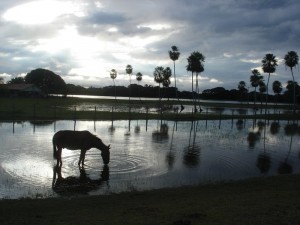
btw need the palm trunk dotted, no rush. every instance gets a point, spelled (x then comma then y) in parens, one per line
(197, 89)
(115, 91)
(139, 91)
(193, 88)
(254, 98)
(175, 81)
(129, 87)
(267, 95)
(294, 110)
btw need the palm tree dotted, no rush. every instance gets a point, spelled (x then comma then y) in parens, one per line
(195, 65)
(162, 76)
(277, 88)
(174, 55)
(113, 76)
(167, 74)
(242, 88)
(269, 63)
(129, 72)
(159, 76)
(291, 60)
(139, 77)
(255, 78)
(262, 89)
(292, 86)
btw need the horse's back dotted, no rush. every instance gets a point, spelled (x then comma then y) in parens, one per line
(71, 133)
(70, 139)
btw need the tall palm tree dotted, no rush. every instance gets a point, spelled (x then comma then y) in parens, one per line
(291, 60)
(174, 55)
(139, 77)
(195, 65)
(292, 86)
(277, 88)
(262, 89)
(113, 76)
(255, 78)
(242, 88)
(162, 76)
(269, 63)
(159, 76)
(129, 72)
(167, 74)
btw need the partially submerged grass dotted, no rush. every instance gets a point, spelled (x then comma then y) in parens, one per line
(65, 108)
(265, 200)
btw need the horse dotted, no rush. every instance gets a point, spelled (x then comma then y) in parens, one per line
(78, 140)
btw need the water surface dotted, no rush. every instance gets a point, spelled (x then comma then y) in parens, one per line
(144, 155)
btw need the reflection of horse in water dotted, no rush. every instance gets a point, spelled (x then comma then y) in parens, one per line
(78, 140)
(77, 185)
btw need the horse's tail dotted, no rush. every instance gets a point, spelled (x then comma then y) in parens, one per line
(54, 151)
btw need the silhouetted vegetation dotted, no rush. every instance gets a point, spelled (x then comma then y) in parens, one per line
(47, 81)
(217, 93)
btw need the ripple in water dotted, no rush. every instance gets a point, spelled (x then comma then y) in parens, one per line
(120, 163)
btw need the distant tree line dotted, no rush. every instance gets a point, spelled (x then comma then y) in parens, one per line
(133, 90)
(51, 83)
(220, 93)
(217, 93)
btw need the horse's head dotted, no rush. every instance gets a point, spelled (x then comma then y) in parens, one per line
(105, 153)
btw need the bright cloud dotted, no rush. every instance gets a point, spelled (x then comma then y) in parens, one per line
(155, 26)
(214, 81)
(41, 12)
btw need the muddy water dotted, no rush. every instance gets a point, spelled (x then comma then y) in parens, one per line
(144, 155)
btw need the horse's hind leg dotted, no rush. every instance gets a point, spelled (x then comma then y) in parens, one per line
(58, 153)
(82, 157)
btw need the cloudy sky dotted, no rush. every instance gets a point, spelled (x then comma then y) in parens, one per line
(82, 40)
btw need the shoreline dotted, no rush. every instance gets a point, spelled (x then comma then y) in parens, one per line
(264, 200)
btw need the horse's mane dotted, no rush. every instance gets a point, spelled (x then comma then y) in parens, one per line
(96, 137)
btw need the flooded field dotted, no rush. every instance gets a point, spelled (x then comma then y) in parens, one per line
(144, 155)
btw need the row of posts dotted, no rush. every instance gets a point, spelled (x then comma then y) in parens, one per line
(74, 117)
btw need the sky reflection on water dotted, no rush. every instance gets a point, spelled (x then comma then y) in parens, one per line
(144, 155)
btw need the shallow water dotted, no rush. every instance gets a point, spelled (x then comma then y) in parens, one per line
(144, 155)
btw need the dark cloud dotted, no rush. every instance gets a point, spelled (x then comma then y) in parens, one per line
(234, 35)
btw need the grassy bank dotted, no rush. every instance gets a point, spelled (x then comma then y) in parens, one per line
(85, 109)
(272, 200)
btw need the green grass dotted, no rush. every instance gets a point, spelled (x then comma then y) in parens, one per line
(64, 108)
(265, 200)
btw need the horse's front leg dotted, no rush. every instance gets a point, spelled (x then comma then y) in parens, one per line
(82, 157)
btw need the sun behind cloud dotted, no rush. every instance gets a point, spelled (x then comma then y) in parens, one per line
(41, 12)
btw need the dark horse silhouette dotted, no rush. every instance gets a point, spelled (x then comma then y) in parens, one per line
(78, 140)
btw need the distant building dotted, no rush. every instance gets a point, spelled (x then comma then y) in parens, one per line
(21, 90)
